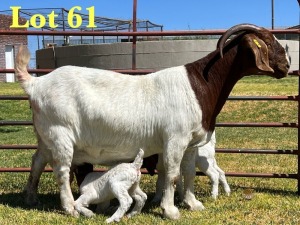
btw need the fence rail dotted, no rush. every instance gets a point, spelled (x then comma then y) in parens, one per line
(130, 33)
(218, 150)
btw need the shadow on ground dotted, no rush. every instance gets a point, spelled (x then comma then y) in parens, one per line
(51, 203)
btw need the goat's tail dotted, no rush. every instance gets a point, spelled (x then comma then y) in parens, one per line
(138, 161)
(22, 60)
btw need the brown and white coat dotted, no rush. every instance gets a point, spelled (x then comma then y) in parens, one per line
(98, 116)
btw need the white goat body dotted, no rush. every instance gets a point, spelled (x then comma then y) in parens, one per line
(98, 116)
(91, 106)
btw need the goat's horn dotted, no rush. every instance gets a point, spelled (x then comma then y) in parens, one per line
(233, 30)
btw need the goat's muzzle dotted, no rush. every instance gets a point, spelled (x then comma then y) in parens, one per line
(281, 71)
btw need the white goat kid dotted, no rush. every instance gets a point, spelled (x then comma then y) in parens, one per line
(84, 115)
(121, 182)
(206, 162)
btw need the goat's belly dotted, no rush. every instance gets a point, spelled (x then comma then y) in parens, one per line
(103, 156)
(110, 155)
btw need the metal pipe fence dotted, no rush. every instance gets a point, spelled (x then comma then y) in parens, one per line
(135, 71)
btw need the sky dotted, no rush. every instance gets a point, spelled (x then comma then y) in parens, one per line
(177, 15)
(182, 15)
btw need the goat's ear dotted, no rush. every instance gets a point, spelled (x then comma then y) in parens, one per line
(260, 51)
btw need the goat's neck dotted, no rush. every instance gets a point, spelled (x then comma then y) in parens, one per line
(212, 80)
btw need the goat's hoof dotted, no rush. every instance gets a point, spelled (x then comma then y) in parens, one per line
(196, 206)
(171, 212)
(72, 212)
(227, 191)
(110, 220)
(31, 200)
(89, 214)
(131, 214)
(214, 196)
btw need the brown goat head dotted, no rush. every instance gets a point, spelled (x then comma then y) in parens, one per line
(260, 50)
(278, 59)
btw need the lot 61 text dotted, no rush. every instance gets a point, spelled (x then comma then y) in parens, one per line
(39, 20)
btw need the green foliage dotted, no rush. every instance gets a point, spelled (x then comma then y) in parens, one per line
(274, 201)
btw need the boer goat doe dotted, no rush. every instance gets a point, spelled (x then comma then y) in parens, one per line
(98, 116)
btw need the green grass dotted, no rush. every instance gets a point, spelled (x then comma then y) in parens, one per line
(274, 200)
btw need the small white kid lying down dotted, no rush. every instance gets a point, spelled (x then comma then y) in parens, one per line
(121, 182)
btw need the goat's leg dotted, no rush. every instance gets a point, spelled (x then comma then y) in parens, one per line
(62, 153)
(179, 188)
(222, 179)
(172, 157)
(81, 171)
(62, 173)
(188, 171)
(83, 202)
(37, 168)
(140, 198)
(160, 180)
(213, 175)
(208, 166)
(125, 201)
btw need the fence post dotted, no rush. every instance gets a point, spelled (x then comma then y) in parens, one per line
(134, 37)
(298, 155)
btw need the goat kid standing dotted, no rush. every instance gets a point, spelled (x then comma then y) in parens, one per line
(205, 161)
